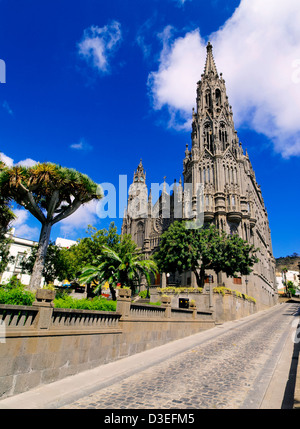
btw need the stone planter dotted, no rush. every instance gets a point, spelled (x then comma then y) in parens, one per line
(166, 300)
(44, 297)
(124, 293)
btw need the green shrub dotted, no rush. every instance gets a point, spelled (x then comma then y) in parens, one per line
(12, 283)
(143, 294)
(62, 293)
(13, 293)
(97, 303)
(178, 290)
(222, 290)
(16, 296)
(292, 291)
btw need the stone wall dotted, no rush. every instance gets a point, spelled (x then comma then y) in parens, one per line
(42, 344)
(229, 306)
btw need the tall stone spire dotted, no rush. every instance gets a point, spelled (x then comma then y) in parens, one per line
(139, 174)
(213, 126)
(210, 67)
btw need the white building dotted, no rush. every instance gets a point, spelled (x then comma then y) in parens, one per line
(18, 249)
(290, 276)
(64, 242)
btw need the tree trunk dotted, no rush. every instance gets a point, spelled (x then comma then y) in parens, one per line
(113, 292)
(198, 278)
(37, 272)
(202, 275)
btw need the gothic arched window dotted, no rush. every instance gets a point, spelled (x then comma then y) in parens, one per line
(208, 99)
(140, 235)
(208, 135)
(218, 97)
(223, 135)
(228, 201)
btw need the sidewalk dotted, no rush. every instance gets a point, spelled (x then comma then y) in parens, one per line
(296, 358)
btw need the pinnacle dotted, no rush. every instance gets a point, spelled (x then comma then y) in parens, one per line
(210, 66)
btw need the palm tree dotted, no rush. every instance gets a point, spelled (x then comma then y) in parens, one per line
(6, 217)
(124, 265)
(50, 193)
(284, 271)
(99, 275)
(6, 214)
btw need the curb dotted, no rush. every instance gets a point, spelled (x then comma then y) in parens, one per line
(297, 384)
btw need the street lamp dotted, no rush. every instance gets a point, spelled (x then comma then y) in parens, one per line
(299, 275)
(283, 272)
(210, 279)
(246, 281)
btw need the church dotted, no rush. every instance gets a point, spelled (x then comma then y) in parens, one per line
(219, 186)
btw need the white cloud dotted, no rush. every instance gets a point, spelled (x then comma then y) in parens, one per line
(28, 162)
(99, 43)
(144, 34)
(258, 51)
(180, 3)
(6, 159)
(84, 216)
(173, 85)
(6, 107)
(82, 145)
(22, 229)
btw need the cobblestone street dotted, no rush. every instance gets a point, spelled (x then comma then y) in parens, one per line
(230, 371)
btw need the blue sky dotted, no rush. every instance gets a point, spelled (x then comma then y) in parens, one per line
(97, 85)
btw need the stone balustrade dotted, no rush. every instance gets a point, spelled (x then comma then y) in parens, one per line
(18, 316)
(64, 318)
(42, 344)
(146, 311)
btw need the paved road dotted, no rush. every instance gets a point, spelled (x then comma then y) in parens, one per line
(244, 364)
(230, 371)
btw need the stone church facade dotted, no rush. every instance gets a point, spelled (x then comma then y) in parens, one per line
(229, 195)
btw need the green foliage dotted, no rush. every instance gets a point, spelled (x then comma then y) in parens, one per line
(13, 283)
(97, 303)
(181, 249)
(87, 251)
(124, 265)
(55, 267)
(6, 217)
(50, 193)
(223, 290)
(5, 257)
(14, 293)
(6, 214)
(177, 290)
(143, 294)
(291, 287)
